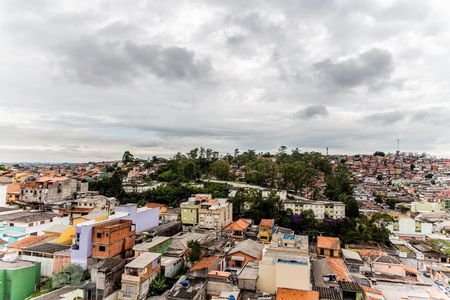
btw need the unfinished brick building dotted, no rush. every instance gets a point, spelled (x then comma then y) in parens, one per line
(113, 239)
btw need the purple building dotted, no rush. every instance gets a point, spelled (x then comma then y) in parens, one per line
(143, 218)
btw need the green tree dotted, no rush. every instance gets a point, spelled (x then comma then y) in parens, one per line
(261, 172)
(351, 206)
(195, 251)
(127, 157)
(157, 286)
(391, 202)
(403, 209)
(70, 275)
(378, 199)
(340, 182)
(109, 186)
(221, 169)
(379, 153)
(299, 177)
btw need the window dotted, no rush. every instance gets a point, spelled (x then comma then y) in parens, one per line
(99, 235)
(42, 222)
(129, 290)
(30, 224)
(11, 224)
(101, 248)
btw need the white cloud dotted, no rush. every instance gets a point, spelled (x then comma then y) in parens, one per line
(87, 81)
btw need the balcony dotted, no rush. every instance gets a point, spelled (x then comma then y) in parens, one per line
(131, 278)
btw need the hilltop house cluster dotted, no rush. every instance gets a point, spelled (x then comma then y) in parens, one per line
(49, 220)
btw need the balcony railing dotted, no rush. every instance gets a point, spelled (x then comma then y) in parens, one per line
(131, 278)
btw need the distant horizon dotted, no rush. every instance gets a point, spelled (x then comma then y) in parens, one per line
(169, 156)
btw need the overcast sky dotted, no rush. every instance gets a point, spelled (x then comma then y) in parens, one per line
(87, 80)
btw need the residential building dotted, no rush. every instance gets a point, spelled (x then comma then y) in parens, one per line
(321, 209)
(353, 260)
(3, 195)
(56, 230)
(279, 270)
(247, 278)
(266, 230)
(27, 242)
(333, 281)
(61, 260)
(328, 246)
(108, 276)
(243, 252)
(292, 294)
(90, 202)
(18, 279)
(425, 206)
(48, 190)
(171, 266)
(64, 293)
(113, 239)
(17, 226)
(138, 275)
(238, 229)
(157, 244)
(171, 214)
(43, 254)
(162, 207)
(142, 218)
(289, 243)
(205, 265)
(215, 214)
(188, 288)
(180, 241)
(390, 267)
(189, 209)
(13, 193)
(407, 228)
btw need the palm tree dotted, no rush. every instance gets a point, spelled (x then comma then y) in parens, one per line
(158, 286)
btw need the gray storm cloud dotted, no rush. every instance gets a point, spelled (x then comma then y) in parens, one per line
(313, 111)
(366, 68)
(114, 62)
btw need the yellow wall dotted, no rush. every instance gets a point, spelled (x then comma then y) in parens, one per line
(66, 236)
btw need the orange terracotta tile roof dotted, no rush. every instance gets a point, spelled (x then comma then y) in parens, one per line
(210, 202)
(291, 294)
(206, 262)
(366, 252)
(26, 242)
(219, 274)
(338, 268)
(371, 290)
(267, 222)
(328, 242)
(240, 224)
(154, 205)
(410, 269)
(13, 188)
(51, 179)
